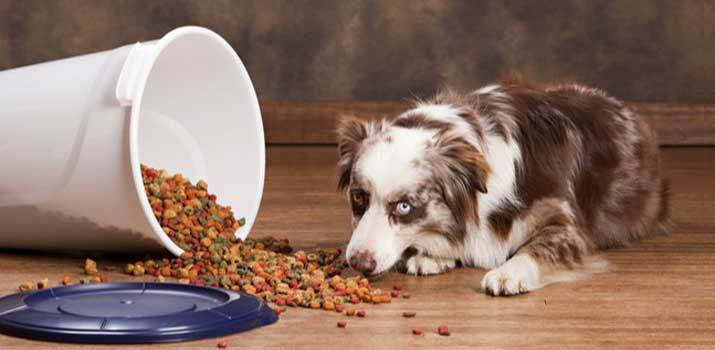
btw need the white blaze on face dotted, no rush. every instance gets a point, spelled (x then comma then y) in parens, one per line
(388, 168)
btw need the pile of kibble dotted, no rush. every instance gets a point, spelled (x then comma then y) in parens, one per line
(204, 229)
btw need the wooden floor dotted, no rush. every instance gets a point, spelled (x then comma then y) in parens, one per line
(658, 295)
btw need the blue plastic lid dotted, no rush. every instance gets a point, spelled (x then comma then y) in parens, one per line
(129, 313)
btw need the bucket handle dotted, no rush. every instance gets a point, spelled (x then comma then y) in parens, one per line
(133, 73)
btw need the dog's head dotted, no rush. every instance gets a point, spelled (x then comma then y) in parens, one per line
(412, 184)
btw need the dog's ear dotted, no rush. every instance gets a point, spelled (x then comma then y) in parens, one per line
(351, 131)
(462, 171)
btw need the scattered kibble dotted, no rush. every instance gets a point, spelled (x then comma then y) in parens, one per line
(26, 286)
(265, 267)
(406, 295)
(443, 330)
(416, 331)
(138, 270)
(222, 344)
(395, 293)
(342, 324)
(90, 267)
(397, 286)
(43, 283)
(409, 314)
(379, 298)
(328, 305)
(191, 217)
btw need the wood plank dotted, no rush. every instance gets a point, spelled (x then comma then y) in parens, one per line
(314, 122)
(659, 294)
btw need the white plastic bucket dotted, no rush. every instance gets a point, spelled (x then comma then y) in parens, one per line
(73, 133)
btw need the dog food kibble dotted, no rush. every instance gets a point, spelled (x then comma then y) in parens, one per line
(90, 267)
(328, 305)
(44, 283)
(67, 280)
(349, 312)
(138, 270)
(406, 295)
(339, 308)
(361, 313)
(443, 330)
(26, 286)
(222, 344)
(416, 331)
(342, 324)
(395, 293)
(397, 286)
(409, 314)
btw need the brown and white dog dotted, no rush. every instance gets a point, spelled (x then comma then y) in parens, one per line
(525, 182)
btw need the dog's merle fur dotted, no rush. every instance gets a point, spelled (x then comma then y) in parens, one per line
(526, 182)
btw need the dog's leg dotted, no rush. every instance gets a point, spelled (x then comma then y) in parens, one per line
(427, 265)
(556, 250)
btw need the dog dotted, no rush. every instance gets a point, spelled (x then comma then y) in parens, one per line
(526, 182)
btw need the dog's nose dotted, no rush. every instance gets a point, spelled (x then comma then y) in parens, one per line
(363, 261)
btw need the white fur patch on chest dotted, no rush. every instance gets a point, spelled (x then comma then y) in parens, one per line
(482, 247)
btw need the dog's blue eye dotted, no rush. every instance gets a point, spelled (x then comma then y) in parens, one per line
(403, 208)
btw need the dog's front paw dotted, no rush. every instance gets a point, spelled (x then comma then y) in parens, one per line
(426, 265)
(518, 275)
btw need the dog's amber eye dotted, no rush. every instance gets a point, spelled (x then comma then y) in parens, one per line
(357, 197)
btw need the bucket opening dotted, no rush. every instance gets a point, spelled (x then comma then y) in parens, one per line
(197, 114)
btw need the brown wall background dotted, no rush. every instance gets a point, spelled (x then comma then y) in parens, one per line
(639, 50)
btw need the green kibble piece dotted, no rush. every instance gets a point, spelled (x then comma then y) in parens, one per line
(242, 221)
(154, 189)
(226, 281)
